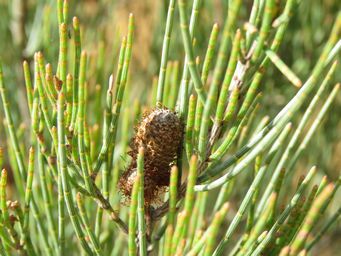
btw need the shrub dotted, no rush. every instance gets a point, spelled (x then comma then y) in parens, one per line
(209, 174)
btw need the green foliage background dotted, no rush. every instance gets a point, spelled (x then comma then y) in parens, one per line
(105, 22)
(30, 26)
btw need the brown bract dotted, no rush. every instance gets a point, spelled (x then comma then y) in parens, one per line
(160, 133)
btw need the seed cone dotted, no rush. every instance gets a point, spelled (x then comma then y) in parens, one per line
(160, 133)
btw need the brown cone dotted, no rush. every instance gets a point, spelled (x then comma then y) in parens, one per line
(160, 132)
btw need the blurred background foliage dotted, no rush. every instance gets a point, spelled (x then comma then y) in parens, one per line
(104, 22)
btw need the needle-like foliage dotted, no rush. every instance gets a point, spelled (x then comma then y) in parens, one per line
(190, 166)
